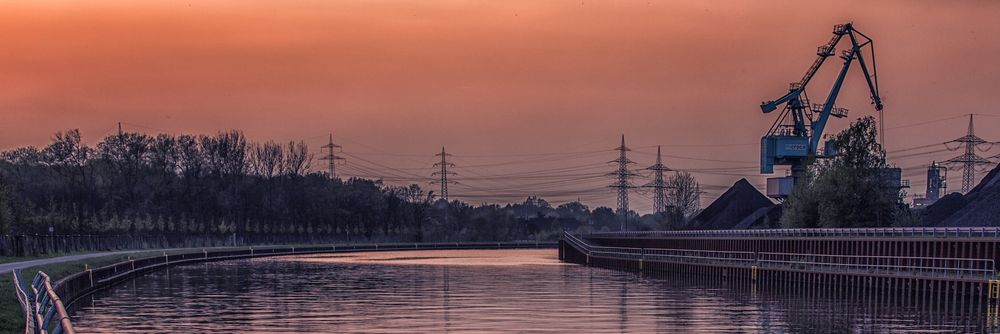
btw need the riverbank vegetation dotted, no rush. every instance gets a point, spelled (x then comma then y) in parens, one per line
(853, 189)
(222, 185)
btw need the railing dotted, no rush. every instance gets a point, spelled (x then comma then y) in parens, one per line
(43, 310)
(576, 242)
(888, 232)
(24, 298)
(918, 267)
(41, 302)
(881, 265)
(662, 254)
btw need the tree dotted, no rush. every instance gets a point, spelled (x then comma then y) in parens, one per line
(164, 159)
(127, 153)
(533, 206)
(683, 195)
(22, 160)
(575, 210)
(267, 159)
(849, 190)
(297, 159)
(604, 217)
(801, 210)
(67, 156)
(6, 214)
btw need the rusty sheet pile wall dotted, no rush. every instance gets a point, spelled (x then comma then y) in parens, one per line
(962, 260)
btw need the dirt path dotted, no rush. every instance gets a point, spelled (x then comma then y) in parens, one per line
(7, 267)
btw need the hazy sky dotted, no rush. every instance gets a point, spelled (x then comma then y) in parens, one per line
(493, 81)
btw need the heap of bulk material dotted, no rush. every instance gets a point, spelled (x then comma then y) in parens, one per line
(740, 202)
(978, 207)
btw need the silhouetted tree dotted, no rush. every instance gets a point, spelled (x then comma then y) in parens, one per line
(683, 193)
(850, 190)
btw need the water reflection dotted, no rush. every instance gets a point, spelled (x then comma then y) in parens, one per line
(496, 291)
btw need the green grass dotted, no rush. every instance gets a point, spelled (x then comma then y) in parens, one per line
(11, 319)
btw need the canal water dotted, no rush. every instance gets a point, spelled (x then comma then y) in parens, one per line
(495, 291)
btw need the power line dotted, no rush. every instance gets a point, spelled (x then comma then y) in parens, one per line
(698, 159)
(939, 120)
(397, 170)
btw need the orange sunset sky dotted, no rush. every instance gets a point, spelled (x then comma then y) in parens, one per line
(500, 83)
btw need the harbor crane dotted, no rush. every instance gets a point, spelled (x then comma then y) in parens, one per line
(793, 139)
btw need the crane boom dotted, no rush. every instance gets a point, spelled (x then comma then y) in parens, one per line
(822, 53)
(820, 124)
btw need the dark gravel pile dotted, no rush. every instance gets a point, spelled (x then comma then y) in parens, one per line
(736, 204)
(766, 217)
(946, 206)
(980, 207)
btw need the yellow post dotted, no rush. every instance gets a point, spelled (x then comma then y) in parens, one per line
(753, 273)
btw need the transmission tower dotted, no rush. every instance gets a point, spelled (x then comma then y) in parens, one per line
(331, 157)
(659, 184)
(443, 173)
(624, 181)
(969, 160)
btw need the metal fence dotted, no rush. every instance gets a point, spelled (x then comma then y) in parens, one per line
(897, 266)
(43, 312)
(889, 232)
(41, 302)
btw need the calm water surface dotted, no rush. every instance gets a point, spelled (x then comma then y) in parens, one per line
(512, 291)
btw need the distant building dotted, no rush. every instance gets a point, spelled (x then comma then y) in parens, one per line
(892, 178)
(936, 184)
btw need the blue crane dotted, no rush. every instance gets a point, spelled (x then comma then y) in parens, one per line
(794, 137)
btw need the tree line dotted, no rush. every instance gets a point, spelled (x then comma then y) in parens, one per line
(225, 184)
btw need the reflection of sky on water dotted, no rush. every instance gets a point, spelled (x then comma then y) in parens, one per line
(489, 291)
